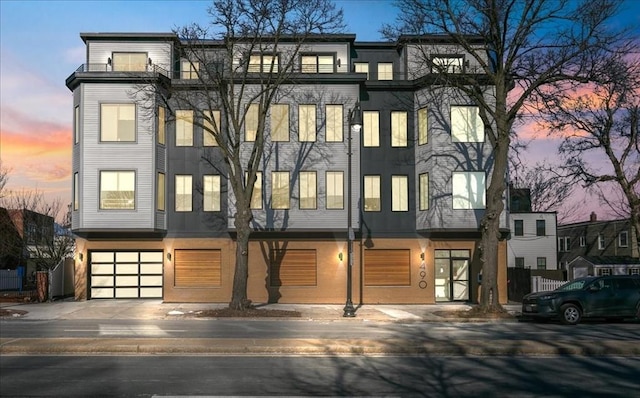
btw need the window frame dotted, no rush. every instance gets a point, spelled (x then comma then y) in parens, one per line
(76, 124)
(212, 196)
(189, 70)
(601, 242)
(541, 263)
(399, 129)
(383, 73)
(316, 66)
(76, 191)
(280, 186)
(361, 65)
(541, 228)
(369, 192)
(336, 126)
(461, 128)
(312, 187)
(423, 126)
(399, 193)
(184, 127)
(447, 67)
(139, 67)
(583, 241)
(262, 66)
(161, 192)
(307, 122)
(102, 122)
(281, 122)
(187, 187)
(335, 186)
(626, 239)
(465, 202)
(251, 125)
(518, 260)
(161, 120)
(516, 229)
(423, 187)
(256, 193)
(208, 138)
(102, 180)
(370, 129)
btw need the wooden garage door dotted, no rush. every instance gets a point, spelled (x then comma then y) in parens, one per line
(293, 268)
(198, 268)
(387, 267)
(126, 274)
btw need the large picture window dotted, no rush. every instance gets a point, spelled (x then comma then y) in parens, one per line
(335, 189)
(211, 193)
(371, 193)
(184, 128)
(399, 193)
(307, 123)
(468, 189)
(371, 128)
(317, 63)
(263, 63)
(308, 190)
(117, 190)
(279, 122)
(466, 124)
(334, 123)
(398, 129)
(184, 193)
(189, 70)
(280, 190)
(129, 62)
(117, 122)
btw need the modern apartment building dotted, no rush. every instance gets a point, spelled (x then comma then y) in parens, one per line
(154, 219)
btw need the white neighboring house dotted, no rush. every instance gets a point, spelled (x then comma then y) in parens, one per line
(533, 242)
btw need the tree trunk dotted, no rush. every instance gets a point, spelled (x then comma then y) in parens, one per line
(239, 300)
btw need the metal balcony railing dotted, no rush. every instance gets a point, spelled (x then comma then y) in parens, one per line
(107, 68)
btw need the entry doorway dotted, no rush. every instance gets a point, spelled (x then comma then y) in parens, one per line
(452, 275)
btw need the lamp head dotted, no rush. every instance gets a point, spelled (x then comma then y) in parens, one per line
(356, 117)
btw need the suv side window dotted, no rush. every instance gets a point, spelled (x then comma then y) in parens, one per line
(625, 284)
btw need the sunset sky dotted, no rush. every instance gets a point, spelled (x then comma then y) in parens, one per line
(40, 47)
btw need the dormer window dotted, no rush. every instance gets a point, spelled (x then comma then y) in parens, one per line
(129, 62)
(189, 70)
(317, 63)
(263, 63)
(447, 64)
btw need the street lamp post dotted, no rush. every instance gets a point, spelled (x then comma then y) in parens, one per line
(355, 125)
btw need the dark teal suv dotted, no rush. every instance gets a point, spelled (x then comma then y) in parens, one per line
(609, 297)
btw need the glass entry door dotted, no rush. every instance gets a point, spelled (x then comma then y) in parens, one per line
(452, 275)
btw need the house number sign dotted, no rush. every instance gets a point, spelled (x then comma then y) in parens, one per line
(423, 274)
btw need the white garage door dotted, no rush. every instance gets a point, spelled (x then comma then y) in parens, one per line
(126, 274)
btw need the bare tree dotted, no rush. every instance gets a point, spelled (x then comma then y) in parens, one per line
(602, 121)
(529, 44)
(4, 179)
(233, 69)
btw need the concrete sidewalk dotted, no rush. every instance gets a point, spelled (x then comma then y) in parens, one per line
(157, 309)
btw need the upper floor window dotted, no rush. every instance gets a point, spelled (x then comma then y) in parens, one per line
(385, 71)
(518, 227)
(308, 190)
(266, 63)
(422, 126)
(129, 62)
(251, 123)
(361, 67)
(564, 244)
(211, 127)
(307, 123)
(280, 190)
(399, 193)
(211, 193)
(600, 242)
(160, 192)
(623, 239)
(398, 129)
(317, 64)
(76, 192)
(541, 228)
(424, 191)
(334, 123)
(583, 241)
(161, 125)
(466, 124)
(371, 128)
(76, 124)
(118, 190)
(447, 64)
(189, 70)
(184, 128)
(371, 193)
(117, 122)
(335, 189)
(184, 193)
(279, 122)
(256, 195)
(468, 190)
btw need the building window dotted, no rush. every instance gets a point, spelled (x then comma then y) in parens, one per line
(361, 67)
(541, 228)
(623, 239)
(117, 122)
(398, 129)
(518, 227)
(424, 191)
(466, 124)
(541, 262)
(564, 244)
(266, 63)
(519, 262)
(385, 71)
(280, 190)
(279, 122)
(567, 243)
(561, 244)
(447, 64)
(334, 123)
(583, 241)
(76, 192)
(423, 137)
(308, 190)
(129, 62)
(468, 190)
(76, 124)
(162, 125)
(371, 193)
(604, 271)
(335, 189)
(317, 63)
(211, 193)
(189, 70)
(600, 242)
(371, 128)
(307, 123)
(160, 193)
(634, 271)
(399, 193)
(256, 195)
(184, 193)
(117, 190)
(251, 123)
(184, 128)
(211, 127)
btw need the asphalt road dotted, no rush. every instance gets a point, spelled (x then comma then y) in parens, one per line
(404, 376)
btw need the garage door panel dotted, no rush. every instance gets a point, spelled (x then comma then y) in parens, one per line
(127, 257)
(151, 257)
(150, 292)
(101, 293)
(387, 267)
(127, 280)
(127, 292)
(127, 269)
(150, 280)
(103, 281)
(102, 269)
(151, 269)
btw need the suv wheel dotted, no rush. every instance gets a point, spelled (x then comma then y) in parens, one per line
(570, 314)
